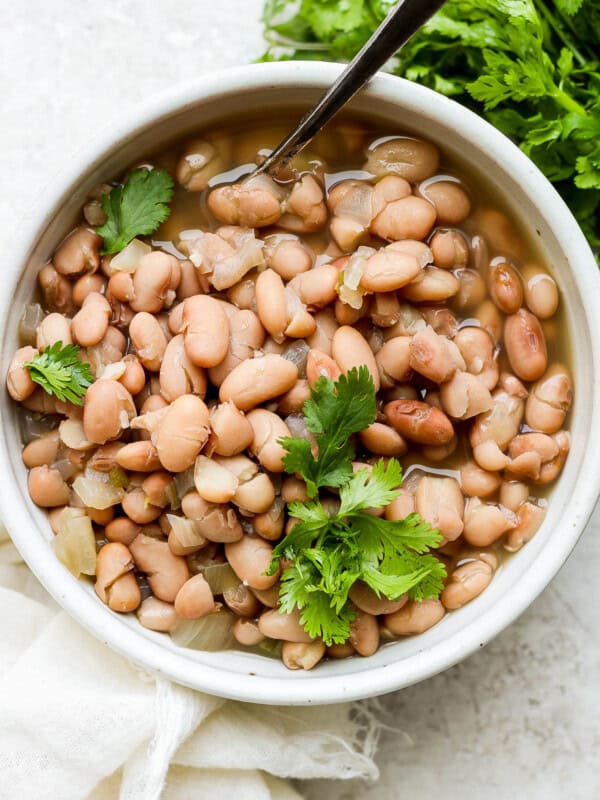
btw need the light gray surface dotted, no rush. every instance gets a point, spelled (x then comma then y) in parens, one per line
(517, 721)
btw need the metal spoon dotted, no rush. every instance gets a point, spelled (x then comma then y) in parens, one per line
(395, 30)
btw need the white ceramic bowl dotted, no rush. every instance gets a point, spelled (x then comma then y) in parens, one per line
(463, 136)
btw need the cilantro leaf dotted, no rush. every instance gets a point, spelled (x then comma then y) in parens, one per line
(374, 489)
(59, 372)
(136, 208)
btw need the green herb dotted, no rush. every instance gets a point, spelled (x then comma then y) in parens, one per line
(59, 371)
(137, 207)
(531, 67)
(329, 551)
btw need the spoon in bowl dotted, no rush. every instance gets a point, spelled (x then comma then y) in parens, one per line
(395, 30)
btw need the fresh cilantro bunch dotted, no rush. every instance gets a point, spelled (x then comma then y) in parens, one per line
(329, 551)
(59, 372)
(136, 208)
(531, 67)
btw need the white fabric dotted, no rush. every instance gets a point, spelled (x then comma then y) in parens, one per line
(79, 721)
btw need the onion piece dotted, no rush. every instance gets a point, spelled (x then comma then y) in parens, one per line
(297, 353)
(28, 324)
(75, 544)
(184, 482)
(220, 578)
(97, 494)
(129, 258)
(186, 531)
(349, 290)
(211, 633)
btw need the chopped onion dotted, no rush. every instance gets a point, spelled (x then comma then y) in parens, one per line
(349, 290)
(66, 468)
(220, 578)
(97, 494)
(186, 531)
(411, 320)
(129, 258)
(33, 425)
(75, 544)
(297, 353)
(228, 271)
(31, 318)
(211, 633)
(183, 482)
(297, 425)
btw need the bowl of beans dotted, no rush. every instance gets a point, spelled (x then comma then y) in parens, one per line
(304, 438)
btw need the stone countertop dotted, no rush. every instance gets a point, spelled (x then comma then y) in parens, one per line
(516, 721)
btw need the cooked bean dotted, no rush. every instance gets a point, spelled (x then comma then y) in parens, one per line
(271, 304)
(541, 292)
(383, 440)
(135, 504)
(178, 374)
(464, 396)
(268, 597)
(466, 583)
(490, 319)
(434, 356)
(115, 582)
(154, 282)
(500, 424)
(247, 336)
(551, 469)
(338, 651)
(56, 290)
(364, 633)
(293, 400)
(365, 599)
(88, 283)
(250, 558)
(477, 349)
(283, 626)
(293, 489)
(322, 338)
(269, 524)
(320, 365)
(440, 502)
(122, 529)
(411, 159)
(255, 495)
(401, 506)
(182, 433)
(506, 287)
(78, 252)
(549, 400)
(232, 431)
(407, 218)
(156, 615)
(393, 361)
(41, 451)
(388, 270)
(246, 632)
(90, 323)
(158, 488)
(217, 523)
(449, 199)
(305, 208)
(471, 292)
(241, 601)
(529, 520)
(349, 349)
(206, 330)
(317, 287)
(195, 599)
(148, 339)
(53, 328)
(18, 380)
(200, 161)
(449, 249)
(419, 422)
(302, 655)
(432, 285)
(414, 617)
(139, 457)
(107, 411)
(47, 487)
(256, 380)
(214, 482)
(253, 204)
(166, 573)
(486, 522)
(287, 255)
(268, 428)
(477, 482)
(525, 345)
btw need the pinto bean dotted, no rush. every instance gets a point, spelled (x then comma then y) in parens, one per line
(195, 599)
(525, 345)
(206, 329)
(287, 255)
(166, 573)
(551, 469)
(434, 356)
(246, 632)
(305, 208)
(53, 328)
(407, 218)
(419, 422)
(365, 599)
(349, 349)
(477, 349)
(18, 380)
(217, 523)
(505, 287)
(247, 336)
(156, 615)
(86, 284)
(320, 365)
(322, 338)
(338, 651)
(148, 339)
(155, 281)
(529, 519)
(271, 303)
(364, 633)
(268, 429)
(115, 582)
(549, 400)
(302, 655)
(471, 291)
(401, 506)
(47, 487)
(139, 457)
(529, 451)
(79, 252)
(513, 494)
(464, 396)
(122, 529)
(383, 440)
(477, 482)
(449, 199)
(486, 522)
(432, 285)
(90, 324)
(293, 400)
(256, 380)
(56, 290)
(182, 433)
(317, 287)
(414, 617)
(135, 504)
(42, 451)
(388, 270)
(231, 430)
(466, 583)
(255, 495)
(490, 319)
(449, 249)
(541, 291)
(214, 482)
(440, 502)
(249, 558)
(253, 204)
(283, 626)
(411, 159)
(393, 361)
(200, 161)
(178, 374)
(107, 411)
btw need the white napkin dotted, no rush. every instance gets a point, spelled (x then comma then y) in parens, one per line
(79, 721)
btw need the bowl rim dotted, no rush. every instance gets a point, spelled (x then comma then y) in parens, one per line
(378, 680)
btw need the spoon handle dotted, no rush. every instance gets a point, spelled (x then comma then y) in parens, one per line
(395, 30)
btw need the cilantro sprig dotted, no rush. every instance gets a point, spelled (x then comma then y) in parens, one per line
(59, 372)
(531, 67)
(136, 208)
(329, 552)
